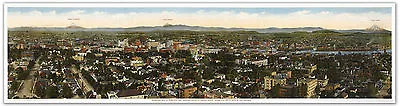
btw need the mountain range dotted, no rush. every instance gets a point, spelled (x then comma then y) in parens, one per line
(372, 29)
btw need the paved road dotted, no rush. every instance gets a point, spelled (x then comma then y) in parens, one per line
(82, 81)
(26, 90)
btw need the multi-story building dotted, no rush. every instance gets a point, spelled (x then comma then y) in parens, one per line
(269, 82)
(307, 87)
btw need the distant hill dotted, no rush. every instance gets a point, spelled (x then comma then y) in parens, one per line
(184, 27)
(74, 26)
(324, 31)
(376, 29)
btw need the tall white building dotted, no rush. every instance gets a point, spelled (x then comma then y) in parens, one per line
(269, 82)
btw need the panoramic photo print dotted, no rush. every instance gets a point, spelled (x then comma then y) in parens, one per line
(168, 54)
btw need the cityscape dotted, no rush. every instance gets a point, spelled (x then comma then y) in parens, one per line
(185, 60)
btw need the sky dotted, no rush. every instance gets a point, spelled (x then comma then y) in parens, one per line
(282, 17)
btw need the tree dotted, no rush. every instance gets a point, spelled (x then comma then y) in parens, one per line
(372, 90)
(14, 85)
(40, 91)
(52, 92)
(275, 91)
(254, 88)
(377, 75)
(208, 73)
(22, 74)
(161, 84)
(67, 92)
(218, 84)
(230, 77)
(303, 90)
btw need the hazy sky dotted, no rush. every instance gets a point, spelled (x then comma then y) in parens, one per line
(331, 18)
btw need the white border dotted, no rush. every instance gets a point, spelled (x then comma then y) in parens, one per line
(189, 5)
(200, 4)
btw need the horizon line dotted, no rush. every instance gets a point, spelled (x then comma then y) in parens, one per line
(187, 25)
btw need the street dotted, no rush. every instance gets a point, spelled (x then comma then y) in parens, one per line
(27, 88)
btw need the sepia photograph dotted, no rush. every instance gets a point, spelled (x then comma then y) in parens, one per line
(199, 52)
